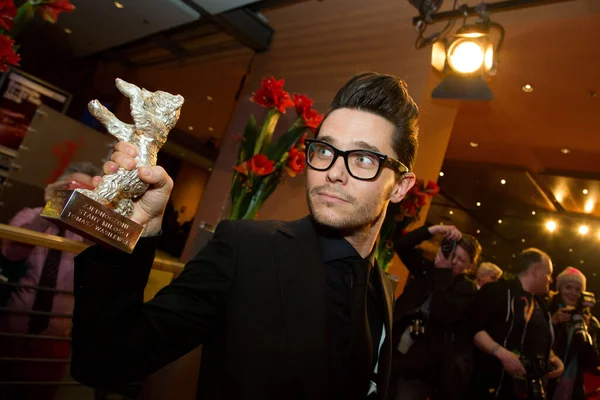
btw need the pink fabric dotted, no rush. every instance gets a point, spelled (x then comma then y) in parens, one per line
(22, 298)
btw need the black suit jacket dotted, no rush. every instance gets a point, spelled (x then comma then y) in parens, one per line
(253, 296)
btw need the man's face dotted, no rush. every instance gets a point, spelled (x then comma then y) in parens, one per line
(461, 262)
(336, 199)
(542, 273)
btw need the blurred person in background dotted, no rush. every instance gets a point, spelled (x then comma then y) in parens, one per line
(513, 333)
(432, 352)
(46, 268)
(576, 332)
(486, 273)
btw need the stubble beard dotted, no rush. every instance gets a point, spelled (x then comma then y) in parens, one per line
(359, 219)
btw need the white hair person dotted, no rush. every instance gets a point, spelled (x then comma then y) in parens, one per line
(487, 272)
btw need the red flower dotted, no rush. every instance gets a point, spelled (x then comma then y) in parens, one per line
(271, 94)
(311, 118)
(296, 162)
(300, 143)
(7, 53)
(302, 103)
(432, 189)
(259, 165)
(422, 199)
(51, 8)
(8, 12)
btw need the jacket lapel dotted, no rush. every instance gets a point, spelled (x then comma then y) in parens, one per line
(302, 284)
(385, 355)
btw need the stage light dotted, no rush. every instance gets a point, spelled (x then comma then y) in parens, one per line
(584, 229)
(466, 59)
(551, 226)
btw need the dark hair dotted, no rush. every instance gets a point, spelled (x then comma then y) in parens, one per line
(386, 96)
(82, 167)
(527, 258)
(471, 246)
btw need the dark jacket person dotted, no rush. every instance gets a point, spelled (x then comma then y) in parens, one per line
(435, 364)
(284, 310)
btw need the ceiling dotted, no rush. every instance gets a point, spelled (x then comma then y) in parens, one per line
(98, 25)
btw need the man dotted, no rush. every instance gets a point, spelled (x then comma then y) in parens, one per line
(513, 332)
(487, 273)
(292, 310)
(45, 268)
(434, 363)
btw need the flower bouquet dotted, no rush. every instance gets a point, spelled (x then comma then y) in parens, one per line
(12, 21)
(399, 216)
(261, 163)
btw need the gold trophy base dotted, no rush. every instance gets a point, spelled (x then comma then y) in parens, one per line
(80, 214)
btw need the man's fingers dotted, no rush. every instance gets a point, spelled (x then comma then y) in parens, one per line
(155, 176)
(96, 180)
(110, 167)
(126, 148)
(123, 160)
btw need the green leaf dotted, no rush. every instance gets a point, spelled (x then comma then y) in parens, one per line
(285, 142)
(248, 142)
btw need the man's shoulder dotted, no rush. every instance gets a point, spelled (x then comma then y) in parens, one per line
(268, 227)
(493, 289)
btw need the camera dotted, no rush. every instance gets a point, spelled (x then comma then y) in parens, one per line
(448, 247)
(585, 302)
(531, 386)
(416, 328)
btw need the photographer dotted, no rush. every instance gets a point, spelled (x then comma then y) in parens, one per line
(514, 334)
(432, 348)
(576, 334)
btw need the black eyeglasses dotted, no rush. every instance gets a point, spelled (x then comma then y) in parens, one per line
(364, 165)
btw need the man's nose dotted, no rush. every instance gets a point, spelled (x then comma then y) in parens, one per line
(337, 172)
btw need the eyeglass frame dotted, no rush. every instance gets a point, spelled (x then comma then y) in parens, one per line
(383, 159)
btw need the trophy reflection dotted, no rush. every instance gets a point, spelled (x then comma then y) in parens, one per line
(102, 215)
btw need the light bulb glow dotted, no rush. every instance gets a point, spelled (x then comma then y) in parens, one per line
(551, 226)
(584, 229)
(465, 56)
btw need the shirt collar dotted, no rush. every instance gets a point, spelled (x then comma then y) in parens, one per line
(335, 247)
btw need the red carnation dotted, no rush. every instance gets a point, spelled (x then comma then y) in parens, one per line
(296, 162)
(51, 8)
(271, 94)
(311, 118)
(259, 165)
(7, 53)
(8, 12)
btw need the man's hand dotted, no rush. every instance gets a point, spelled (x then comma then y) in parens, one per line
(53, 187)
(557, 367)
(441, 261)
(148, 210)
(511, 363)
(562, 315)
(449, 231)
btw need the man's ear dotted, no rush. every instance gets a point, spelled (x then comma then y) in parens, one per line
(402, 186)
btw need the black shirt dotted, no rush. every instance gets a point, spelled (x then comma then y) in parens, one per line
(538, 337)
(339, 257)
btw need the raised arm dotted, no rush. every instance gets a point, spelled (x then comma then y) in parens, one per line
(117, 338)
(405, 245)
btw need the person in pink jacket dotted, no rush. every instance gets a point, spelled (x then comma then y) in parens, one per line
(41, 336)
